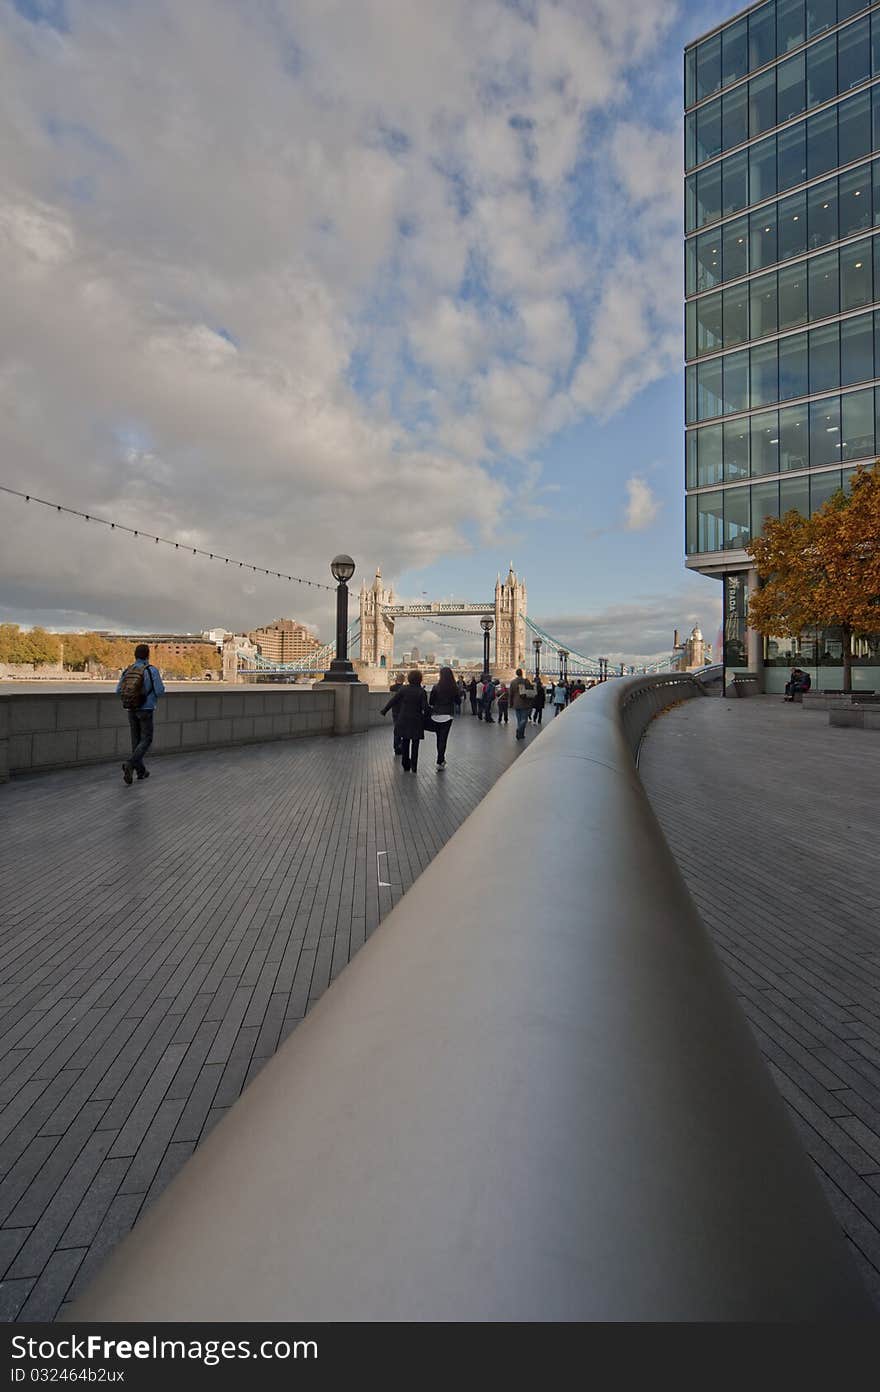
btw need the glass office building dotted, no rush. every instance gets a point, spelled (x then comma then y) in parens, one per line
(782, 287)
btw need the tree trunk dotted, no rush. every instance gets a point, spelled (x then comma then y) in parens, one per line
(847, 658)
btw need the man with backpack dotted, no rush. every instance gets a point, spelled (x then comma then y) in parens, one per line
(140, 687)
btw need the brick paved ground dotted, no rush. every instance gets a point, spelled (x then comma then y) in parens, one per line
(158, 942)
(772, 817)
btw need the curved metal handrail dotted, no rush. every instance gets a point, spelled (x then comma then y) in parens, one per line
(531, 1096)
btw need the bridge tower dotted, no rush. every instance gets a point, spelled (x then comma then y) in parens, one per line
(510, 628)
(377, 629)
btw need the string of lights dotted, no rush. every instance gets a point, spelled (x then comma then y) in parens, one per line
(166, 541)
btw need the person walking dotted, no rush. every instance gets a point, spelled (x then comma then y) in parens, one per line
(540, 701)
(487, 700)
(503, 703)
(140, 687)
(522, 694)
(393, 689)
(462, 693)
(443, 700)
(558, 696)
(411, 706)
(472, 694)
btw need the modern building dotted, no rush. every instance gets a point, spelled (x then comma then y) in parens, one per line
(285, 640)
(782, 273)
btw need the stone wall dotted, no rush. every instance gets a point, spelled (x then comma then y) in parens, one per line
(61, 731)
(66, 729)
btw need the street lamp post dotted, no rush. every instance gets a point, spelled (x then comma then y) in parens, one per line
(563, 662)
(486, 625)
(341, 670)
(537, 647)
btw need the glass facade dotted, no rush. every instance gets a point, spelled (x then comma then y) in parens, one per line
(782, 269)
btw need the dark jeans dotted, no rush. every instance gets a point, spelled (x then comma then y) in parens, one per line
(141, 725)
(502, 714)
(521, 719)
(442, 739)
(473, 705)
(410, 750)
(537, 714)
(398, 743)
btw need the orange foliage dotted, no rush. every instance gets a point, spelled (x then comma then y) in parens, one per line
(823, 570)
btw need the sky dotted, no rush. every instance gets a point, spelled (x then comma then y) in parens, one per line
(284, 278)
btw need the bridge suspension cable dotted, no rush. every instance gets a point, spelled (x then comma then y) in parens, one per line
(594, 662)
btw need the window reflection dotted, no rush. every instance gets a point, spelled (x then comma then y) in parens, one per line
(736, 518)
(765, 442)
(736, 449)
(855, 276)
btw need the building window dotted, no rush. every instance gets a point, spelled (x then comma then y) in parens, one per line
(793, 367)
(794, 437)
(792, 297)
(765, 442)
(855, 276)
(857, 349)
(710, 521)
(736, 450)
(857, 425)
(710, 469)
(794, 496)
(825, 432)
(736, 518)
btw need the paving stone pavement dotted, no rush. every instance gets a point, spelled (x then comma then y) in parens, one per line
(158, 942)
(772, 817)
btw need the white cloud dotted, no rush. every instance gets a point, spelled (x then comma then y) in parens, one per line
(642, 506)
(320, 257)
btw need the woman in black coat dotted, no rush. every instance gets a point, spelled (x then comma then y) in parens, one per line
(540, 701)
(443, 701)
(410, 706)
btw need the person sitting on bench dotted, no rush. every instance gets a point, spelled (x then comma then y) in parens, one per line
(800, 682)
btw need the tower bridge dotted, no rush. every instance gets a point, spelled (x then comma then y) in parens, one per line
(372, 632)
(508, 609)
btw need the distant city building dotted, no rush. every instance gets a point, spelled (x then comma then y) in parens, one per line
(285, 640)
(176, 643)
(217, 636)
(415, 654)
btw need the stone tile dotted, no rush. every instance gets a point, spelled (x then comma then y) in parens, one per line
(50, 1290)
(148, 1024)
(791, 902)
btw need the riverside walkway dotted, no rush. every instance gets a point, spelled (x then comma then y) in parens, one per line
(772, 817)
(158, 942)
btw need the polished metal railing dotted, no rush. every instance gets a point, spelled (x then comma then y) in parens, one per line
(531, 1096)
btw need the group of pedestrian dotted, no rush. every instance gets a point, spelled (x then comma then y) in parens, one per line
(415, 712)
(563, 692)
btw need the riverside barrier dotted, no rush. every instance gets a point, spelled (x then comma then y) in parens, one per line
(531, 1096)
(49, 730)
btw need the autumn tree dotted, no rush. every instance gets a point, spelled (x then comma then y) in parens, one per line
(824, 570)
